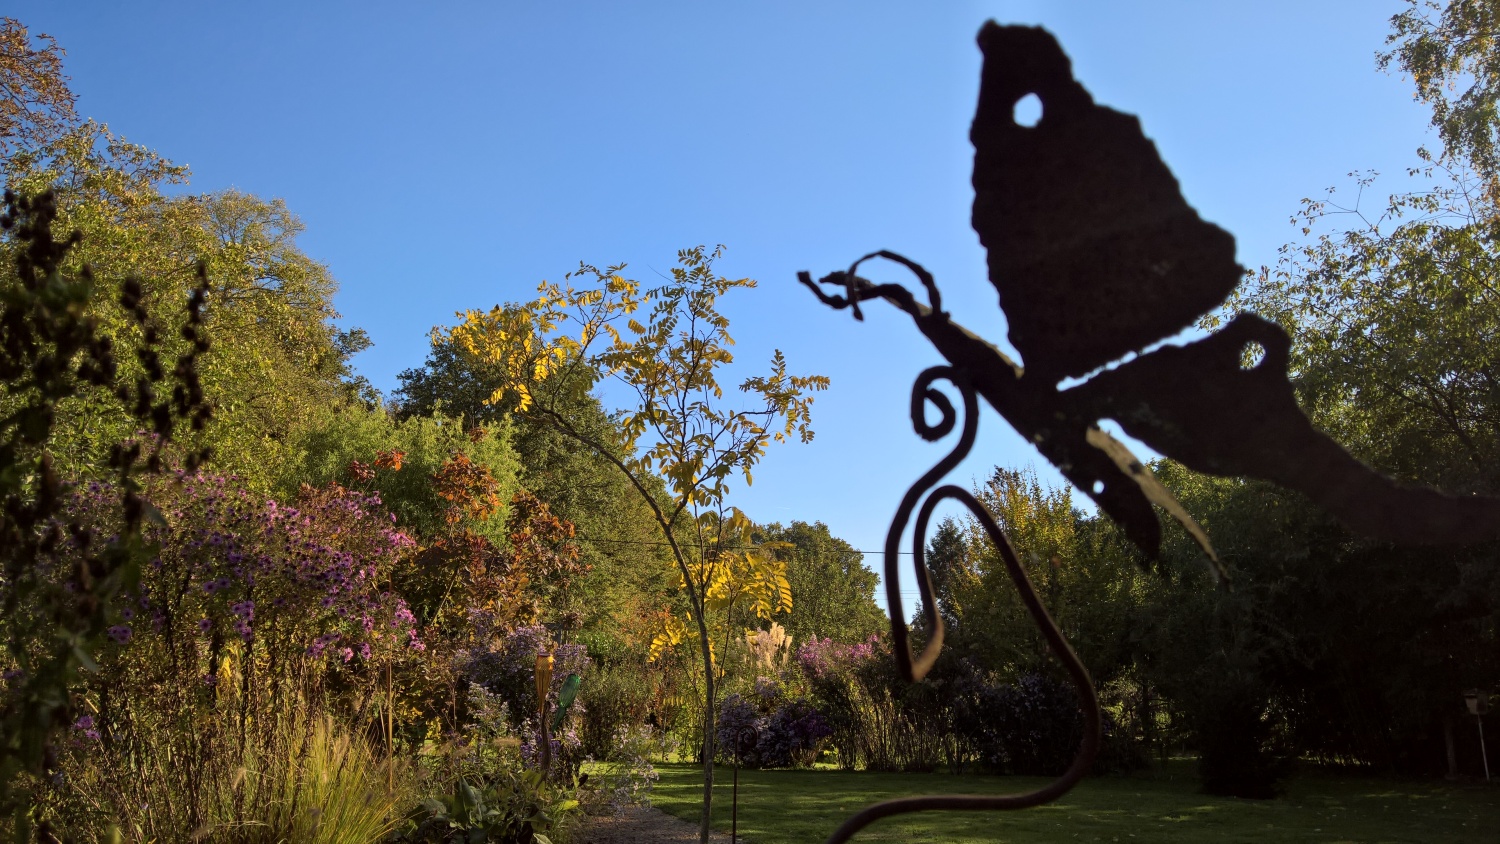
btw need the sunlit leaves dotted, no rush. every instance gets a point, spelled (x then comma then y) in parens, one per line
(1452, 53)
(667, 345)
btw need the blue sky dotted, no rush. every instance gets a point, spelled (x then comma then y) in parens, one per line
(451, 155)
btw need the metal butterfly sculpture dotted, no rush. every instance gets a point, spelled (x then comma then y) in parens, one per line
(1096, 255)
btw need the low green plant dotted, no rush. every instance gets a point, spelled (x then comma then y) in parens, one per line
(513, 807)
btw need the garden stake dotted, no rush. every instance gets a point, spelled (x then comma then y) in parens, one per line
(1097, 257)
(544, 661)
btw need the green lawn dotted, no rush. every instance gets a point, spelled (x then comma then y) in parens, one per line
(781, 807)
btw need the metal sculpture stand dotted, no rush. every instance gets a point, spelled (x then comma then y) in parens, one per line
(915, 668)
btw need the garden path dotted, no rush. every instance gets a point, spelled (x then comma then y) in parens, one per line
(640, 825)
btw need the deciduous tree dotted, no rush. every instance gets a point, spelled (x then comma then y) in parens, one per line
(680, 428)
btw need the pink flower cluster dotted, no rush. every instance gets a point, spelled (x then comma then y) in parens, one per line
(822, 657)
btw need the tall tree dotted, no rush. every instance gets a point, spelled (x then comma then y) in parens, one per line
(835, 590)
(35, 101)
(1452, 53)
(679, 428)
(279, 359)
(629, 569)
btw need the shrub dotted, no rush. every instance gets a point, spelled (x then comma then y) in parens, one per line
(515, 807)
(253, 623)
(791, 735)
(875, 720)
(738, 730)
(625, 776)
(336, 450)
(1034, 726)
(1241, 753)
(619, 700)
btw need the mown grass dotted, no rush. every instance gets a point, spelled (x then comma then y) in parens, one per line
(781, 807)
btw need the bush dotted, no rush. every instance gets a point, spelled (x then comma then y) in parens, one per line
(791, 735)
(517, 807)
(619, 699)
(254, 623)
(625, 776)
(333, 450)
(1240, 752)
(1035, 726)
(876, 721)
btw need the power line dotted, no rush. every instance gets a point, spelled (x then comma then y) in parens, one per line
(726, 548)
(880, 593)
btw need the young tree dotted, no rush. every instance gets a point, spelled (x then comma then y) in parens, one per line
(680, 427)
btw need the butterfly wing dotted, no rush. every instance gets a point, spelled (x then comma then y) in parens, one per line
(1091, 245)
(1199, 405)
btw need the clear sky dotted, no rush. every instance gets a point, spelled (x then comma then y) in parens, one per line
(451, 155)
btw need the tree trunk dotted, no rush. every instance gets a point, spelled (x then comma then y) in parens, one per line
(708, 727)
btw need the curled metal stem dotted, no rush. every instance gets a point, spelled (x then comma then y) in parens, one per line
(914, 668)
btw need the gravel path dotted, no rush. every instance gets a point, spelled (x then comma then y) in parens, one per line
(638, 825)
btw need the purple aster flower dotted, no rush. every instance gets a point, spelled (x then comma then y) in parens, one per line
(204, 625)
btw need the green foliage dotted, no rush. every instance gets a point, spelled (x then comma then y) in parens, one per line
(629, 568)
(834, 590)
(1088, 581)
(1394, 320)
(1348, 649)
(513, 808)
(1452, 53)
(353, 433)
(57, 574)
(619, 697)
(279, 362)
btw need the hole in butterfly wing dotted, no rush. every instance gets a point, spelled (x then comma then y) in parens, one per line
(1027, 111)
(1251, 356)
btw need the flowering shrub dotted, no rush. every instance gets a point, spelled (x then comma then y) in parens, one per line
(251, 620)
(821, 658)
(737, 733)
(504, 663)
(793, 736)
(1032, 727)
(790, 735)
(876, 721)
(307, 577)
